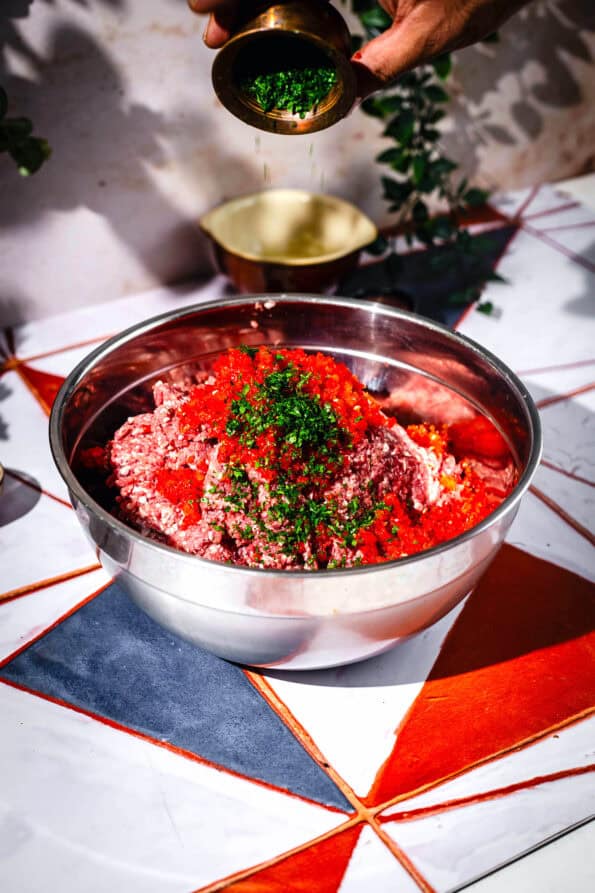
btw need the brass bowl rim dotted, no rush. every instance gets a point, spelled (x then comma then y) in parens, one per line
(230, 96)
(280, 260)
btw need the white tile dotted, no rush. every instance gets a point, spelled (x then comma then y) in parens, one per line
(87, 807)
(530, 200)
(509, 203)
(568, 215)
(103, 320)
(569, 434)
(23, 619)
(373, 867)
(560, 866)
(575, 497)
(568, 748)
(456, 846)
(540, 531)
(581, 189)
(42, 537)
(582, 243)
(64, 361)
(353, 712)
(27, 448)
(546, 199)
(538, 325)
(545, 383)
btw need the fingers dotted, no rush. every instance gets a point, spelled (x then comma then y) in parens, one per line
(222, 18)
(218, 30)
(203, 6)
(383, 59)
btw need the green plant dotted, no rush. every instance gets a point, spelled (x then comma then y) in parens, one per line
(16, 137)
(419, 169)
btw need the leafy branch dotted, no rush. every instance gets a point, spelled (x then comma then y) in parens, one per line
(16, 137)
(419, 170)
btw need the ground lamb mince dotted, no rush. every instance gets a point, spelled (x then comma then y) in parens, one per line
(281, 459)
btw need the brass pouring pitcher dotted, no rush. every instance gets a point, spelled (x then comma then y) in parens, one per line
(287, 29)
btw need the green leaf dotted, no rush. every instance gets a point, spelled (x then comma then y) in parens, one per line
(17, 129)
(423, 233)
(435, 115)
(356, 43)
(411, 80)
(462, 187)
(496, 277)
(30, 155)
(443, 166)
(401, 127)
(360, 6)
(375, 19)
(485, 307)
(382, 106)
(395, 191)
(420, 212)
(435, 93)
(378, 246)
(443, 227)
(418, 169)
(475, 198)
(399, 159)
(373, 107)
(463, 297)
(442, 65)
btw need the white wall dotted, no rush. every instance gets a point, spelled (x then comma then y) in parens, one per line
(121, 88)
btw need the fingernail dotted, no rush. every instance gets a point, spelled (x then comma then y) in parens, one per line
(205, 34)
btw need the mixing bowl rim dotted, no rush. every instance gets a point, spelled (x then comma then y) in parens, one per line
(106, 347)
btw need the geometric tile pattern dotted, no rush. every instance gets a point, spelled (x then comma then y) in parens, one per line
(131, 760)
(506, 675)
(111, 659)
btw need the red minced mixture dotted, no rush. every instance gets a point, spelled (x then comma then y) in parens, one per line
(281, 459)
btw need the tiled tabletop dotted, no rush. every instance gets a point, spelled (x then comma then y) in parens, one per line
(132, 761)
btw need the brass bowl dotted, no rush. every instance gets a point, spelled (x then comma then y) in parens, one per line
(296, 26)
(287, 240)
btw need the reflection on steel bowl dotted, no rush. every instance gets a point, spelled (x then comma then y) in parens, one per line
(299, 618)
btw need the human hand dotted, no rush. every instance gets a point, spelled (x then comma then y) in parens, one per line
(421, 30)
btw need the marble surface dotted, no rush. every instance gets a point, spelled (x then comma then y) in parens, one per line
(132, 760)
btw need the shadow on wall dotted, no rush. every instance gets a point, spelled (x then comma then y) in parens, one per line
(535, 52)
(104, 148)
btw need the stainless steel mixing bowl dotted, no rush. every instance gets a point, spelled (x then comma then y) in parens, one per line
(291, 619)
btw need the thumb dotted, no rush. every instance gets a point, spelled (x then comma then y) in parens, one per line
(380, 62)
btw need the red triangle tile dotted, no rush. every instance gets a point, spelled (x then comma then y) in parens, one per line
(319, 867)
(44, 385)
(518, 661)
